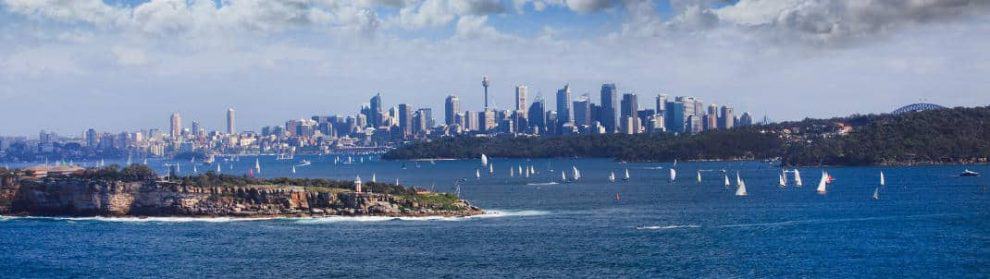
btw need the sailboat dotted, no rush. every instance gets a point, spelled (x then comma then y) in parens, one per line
(626, 177)
(519, 169)
(527, 172)
(477, 174)
(218, 168)
(293, 169)
(491, 169)
(782, 182)
(532, 170)
(374, 178)
(726, 177)
(563, 176)
(194, 169)
(484, 160)
(741, 190)
(611, 177)
(673, 175)
(145, 161)
(883, 181)
(512, 172)
(699, 176)
(577, 174)
(823, 183)
(257, 166)
(876, 193)
(797, 178)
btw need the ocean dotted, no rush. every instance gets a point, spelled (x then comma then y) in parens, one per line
(928, 222)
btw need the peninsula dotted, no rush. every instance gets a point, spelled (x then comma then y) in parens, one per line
(136, 191)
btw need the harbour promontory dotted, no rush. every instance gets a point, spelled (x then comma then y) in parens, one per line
(136, 191)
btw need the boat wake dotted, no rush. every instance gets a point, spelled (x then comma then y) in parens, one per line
(658, 228)
(652, 168)
(541, 183)
(488, 214)
(826, 221)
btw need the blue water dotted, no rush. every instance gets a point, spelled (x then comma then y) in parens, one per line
(928, 223)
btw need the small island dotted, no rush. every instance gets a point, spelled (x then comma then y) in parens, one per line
(136, 191)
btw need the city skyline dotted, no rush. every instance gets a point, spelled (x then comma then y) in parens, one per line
(71, 65)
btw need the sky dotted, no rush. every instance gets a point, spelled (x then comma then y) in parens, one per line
(116, 65)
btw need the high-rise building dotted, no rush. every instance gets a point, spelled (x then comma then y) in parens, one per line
(405, 119)
(485, 83)
(521, 92)
(675, 117)
(195, 128)
(564, 112)
(629, 105)
(471, 121)
(608, 107)
(727, 119)
(746, 119)
(711, 118)
(487, 121)
(176, 126)
(91, 138)
(377, 112)
(452, 105)
(582, 112)
(230, 122)
(662, 104)
(537, 117)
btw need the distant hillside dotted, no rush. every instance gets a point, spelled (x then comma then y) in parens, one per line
(937, 136)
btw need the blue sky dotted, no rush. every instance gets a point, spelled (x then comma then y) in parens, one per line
(126, 65)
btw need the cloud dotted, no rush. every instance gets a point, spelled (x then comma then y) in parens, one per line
(587, 6)
(432, 13)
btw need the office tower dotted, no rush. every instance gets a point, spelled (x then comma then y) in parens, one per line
(629, 105)
(746, 119)
(230, 122)
(693, 124)
(195, 128)
(428, 116)
(176, 126)
(662, 104)
(91, 139)
(470, 121)
(727, 119)
(711, 118)
(361, 121)
(675, 118)
(487, 121)
(645, 116)
(485, 82)
(521, 92)
(451, 106)
(421, 121)
(405, 119)
(376, 114)
(699, 108)
(582, 112)
(537, 117)
(608, 104)
(564, 112)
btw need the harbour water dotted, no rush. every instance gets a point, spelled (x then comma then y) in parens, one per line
(928, 222)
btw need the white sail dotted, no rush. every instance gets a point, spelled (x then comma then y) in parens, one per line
(823, 183)
(293, 169)
(699, 176)
(883, 181)
(673, 175)
(527, 172)
(218, 168)
(519, 169)
(563, 176)
(577, 174)
(611, 177)
(876, 193)
(626, 177)
(194, 169)
(512, 172)
(726, 177)
(783, 177)
(145, 161)
(484, 160)
(532, 170)
(491, 169)
(374, 178)
(781, 182)
(257, 166)
(741, 190)
(477, 173)
(797, 178)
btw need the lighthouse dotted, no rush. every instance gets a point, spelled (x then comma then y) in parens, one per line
(357, 184)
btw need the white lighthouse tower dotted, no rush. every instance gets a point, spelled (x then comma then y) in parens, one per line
(357, 184)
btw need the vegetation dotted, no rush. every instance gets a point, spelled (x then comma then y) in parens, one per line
(936, 136)
(132, 173)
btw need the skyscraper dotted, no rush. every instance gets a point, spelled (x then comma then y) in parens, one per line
(405, 119)
(91, 138)
(377, 112)
(230, 122)
(628, 113)
(487, 121)
(582, 111)
(727, 119)
(608, 110)
(537, 116)
(675, 118)
(662, 104)
(521, 92)
(452, 105)
(485, 83)
(564, 112)
(176, 126)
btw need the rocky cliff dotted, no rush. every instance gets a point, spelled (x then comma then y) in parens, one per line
(67, 196)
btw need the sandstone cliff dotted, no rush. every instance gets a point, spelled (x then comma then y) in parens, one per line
(68, 196)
